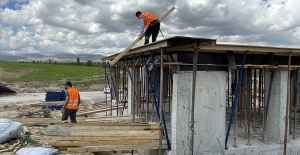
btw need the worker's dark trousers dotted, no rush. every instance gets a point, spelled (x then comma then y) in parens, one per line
(71, 113)
(153, 30)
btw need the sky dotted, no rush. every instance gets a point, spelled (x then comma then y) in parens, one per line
(108, 26)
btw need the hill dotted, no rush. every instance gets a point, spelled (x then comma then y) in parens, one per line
(58, 57)
(39, 77)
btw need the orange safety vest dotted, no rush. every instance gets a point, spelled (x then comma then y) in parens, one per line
(148, 18)
(73, 99)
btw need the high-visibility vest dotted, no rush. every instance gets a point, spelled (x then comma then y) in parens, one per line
(148, 18)
(73, 99)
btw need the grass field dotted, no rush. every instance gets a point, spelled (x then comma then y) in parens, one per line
(50, 72)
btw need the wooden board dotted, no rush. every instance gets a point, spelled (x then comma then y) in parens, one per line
(80, 120)
(26, 130)
(96, 138)
(104, 142)
(115, 132)
(116, 148)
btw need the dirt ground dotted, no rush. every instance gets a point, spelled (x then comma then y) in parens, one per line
(17, 105)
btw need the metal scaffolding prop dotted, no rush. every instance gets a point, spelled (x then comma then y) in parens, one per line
(156, 98)
(236, 96)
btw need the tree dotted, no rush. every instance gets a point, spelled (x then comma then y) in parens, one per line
(89, 63)
(33, 61)
(78, 61)
(49, 61)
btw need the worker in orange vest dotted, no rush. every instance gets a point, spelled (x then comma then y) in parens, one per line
(71, 104)
(149, 22)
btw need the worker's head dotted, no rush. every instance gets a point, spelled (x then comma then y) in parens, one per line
(137, 14)
(68, 85)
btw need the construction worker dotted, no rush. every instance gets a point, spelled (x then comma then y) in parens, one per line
(149, 22)
(71, 104)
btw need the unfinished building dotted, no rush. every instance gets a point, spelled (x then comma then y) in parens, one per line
(211, 98)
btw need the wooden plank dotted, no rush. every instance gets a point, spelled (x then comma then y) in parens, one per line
(115, 148)
(116, 59)
(166, 14)
(132, 133)
(126, 50)
(26, 130)
(103, 142)
(103, 137)
(107, 127)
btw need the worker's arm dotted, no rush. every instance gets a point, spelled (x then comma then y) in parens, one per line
(142, 26)
(66, 102)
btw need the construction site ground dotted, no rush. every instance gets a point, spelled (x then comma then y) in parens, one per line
(19, 106)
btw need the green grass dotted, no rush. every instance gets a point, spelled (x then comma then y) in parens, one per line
(47, 72)
(27, 140)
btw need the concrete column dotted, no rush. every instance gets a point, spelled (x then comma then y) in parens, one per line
(277, 105)
(210, 111)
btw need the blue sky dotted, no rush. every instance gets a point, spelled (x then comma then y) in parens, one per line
(108, 26)
(14, 5)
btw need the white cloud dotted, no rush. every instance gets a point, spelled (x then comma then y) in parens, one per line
(108, 26)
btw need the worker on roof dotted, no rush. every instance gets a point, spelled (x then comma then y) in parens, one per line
(71, 104)
(149, 22)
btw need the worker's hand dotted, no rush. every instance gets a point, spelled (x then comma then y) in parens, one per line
(62, 110)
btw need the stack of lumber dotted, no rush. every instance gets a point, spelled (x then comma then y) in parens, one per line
(105, 137)
(80, 120)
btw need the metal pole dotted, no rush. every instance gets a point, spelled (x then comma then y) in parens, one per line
(287, 105)
(228, 87)
(269, 91)
(235, 98)
(235, 113)
(291, 101)
(195, 60)
(161, 96)
(105, 86)
(147, 97)
(259, 96)
(152, 108)
(117, 86)
(249, 104)
(241, 104)
(133, 87)
(169, 89)
(265, 110)
(295, 100)
(254, 98)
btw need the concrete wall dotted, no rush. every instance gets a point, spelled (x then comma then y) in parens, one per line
(277, 106)
(209, 112)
